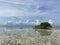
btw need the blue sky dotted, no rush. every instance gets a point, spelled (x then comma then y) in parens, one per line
(29, 7)
(49, 9)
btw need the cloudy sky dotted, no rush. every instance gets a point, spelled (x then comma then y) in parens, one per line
(48, 9)
(29, 7)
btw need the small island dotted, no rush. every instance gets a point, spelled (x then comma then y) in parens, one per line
(43, 25)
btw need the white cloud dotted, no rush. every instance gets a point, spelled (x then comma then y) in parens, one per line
(37, 22)
(50, 21)
(27, 7)
(9, 21)
(18, 22)
(27, 22)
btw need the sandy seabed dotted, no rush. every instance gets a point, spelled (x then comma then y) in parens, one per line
(16, 36)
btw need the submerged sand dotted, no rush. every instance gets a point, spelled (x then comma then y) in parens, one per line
(18, 36)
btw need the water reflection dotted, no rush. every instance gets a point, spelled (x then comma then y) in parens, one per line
(44, 32)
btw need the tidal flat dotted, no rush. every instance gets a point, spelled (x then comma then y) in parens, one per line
(29, 36)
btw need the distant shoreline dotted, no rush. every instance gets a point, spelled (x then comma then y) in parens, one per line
(30, 28)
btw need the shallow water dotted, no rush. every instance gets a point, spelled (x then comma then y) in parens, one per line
(17, 36)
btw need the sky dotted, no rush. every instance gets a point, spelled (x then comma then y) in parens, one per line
(45, 8)
(29, 7)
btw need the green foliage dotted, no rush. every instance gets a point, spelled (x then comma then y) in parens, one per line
(44, 25)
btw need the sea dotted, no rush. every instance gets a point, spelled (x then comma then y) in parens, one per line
(28, 36)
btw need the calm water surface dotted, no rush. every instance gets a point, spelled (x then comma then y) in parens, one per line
(17, 36)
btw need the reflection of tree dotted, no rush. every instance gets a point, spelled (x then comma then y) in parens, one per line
(44, 32)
